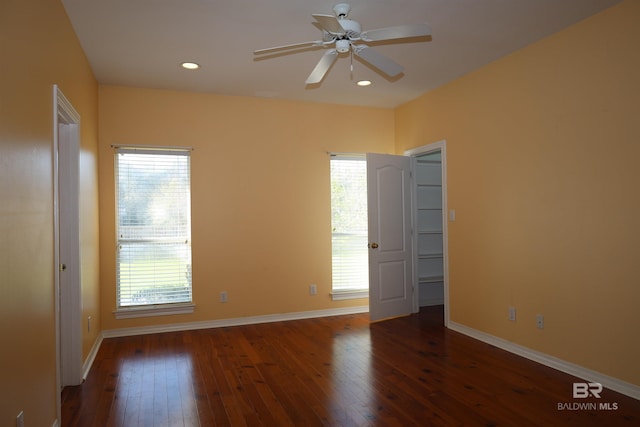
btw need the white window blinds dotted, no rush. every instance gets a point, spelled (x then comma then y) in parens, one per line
(153, 226)
(350, 263)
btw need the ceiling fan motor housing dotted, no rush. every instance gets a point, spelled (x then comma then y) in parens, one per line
(341, 9)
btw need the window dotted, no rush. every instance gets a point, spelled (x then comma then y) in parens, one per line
(153, 227)
(350, 263)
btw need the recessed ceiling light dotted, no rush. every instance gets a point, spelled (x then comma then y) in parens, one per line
(190, 65)
(364, 83)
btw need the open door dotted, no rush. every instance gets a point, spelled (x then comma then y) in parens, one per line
(66, 151)
(390, 244)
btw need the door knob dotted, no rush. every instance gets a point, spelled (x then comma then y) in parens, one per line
(374, 246)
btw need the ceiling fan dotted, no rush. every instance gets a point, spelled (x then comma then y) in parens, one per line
(346, 36)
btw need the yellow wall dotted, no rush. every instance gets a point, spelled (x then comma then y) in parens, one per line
(543, 149)
(260, 193)
(39, 49)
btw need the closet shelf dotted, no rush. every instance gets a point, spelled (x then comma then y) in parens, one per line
(430, 256)
(431, 279)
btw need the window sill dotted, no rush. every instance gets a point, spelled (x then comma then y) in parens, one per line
(341, 295)
(153, 310)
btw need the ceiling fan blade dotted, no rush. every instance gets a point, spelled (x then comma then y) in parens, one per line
(330, 23)
(399, 32)
(287, 46)
(322, 67)
(378, 60)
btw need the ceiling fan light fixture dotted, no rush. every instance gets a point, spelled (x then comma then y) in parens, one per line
(343, 46)
(190, 65)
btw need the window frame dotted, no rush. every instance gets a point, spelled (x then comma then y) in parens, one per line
(150, 309)
(355, 292)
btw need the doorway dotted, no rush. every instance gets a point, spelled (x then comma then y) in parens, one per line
(408, 266)
(66, 167)
(430, 225)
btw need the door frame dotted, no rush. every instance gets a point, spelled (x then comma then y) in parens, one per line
(66, 156)
(413, 153)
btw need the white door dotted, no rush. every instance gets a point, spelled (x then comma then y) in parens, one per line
(67, 239)
(390, 244)
(69, 247)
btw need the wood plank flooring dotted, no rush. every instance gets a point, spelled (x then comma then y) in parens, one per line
(334, 371)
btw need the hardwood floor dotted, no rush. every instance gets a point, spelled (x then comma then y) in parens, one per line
(335, 371)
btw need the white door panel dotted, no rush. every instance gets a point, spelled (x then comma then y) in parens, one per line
(392, 274)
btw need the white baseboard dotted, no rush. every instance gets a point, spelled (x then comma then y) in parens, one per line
(615, 384)
(238, 321)
(86, 367)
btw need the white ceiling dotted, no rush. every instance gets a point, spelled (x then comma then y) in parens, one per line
(141, 43)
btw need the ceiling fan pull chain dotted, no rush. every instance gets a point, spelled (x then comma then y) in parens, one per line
(351, 62)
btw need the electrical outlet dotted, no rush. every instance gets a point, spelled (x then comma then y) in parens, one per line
(512, 314)
(223, 296)
(20, 419)
(313, 290)
(539, 321)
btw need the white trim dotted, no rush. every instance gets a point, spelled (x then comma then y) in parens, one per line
(238, 321)
(348, 156)
(615, 384)
(144, 148)
(153, 310)
(342, 295)
(414, 152)
(64, 107)
(417, 151)
(55, 424)
(56, 255)
(86, 367)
